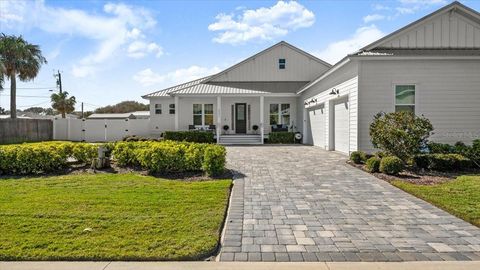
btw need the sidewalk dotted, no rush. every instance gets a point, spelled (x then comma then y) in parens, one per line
(237, 265)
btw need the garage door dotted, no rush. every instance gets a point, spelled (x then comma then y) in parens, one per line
(317, 126)
(341, 126)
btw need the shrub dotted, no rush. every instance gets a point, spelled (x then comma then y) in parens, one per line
(190, 136)
(358, 157)
(214, 160)
(440, 148)
(401, 134)
(422, 161)
(281, 137)
(84, 152)
(373, 164)
(391, 165)
(442, 162)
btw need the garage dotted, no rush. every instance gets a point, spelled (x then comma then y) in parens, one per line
(341, 125)
(317, 126)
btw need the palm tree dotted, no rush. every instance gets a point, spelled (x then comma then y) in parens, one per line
(21, 59)
(61, 103)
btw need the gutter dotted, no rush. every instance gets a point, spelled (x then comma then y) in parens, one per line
(338, 65)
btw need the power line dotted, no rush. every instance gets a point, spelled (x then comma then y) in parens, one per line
(33, 105)
(28, 96)
(33, 88)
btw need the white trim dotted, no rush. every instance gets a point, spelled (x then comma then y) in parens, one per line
(329, 72)
(394, 85)
(219, 117)
(240, 95)
(262, 126)
(417, 57)
(176, 112)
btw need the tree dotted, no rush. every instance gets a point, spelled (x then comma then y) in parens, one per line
(21, 59)
(62, 104)
(124, 107)
(402, 134)
(36, 110)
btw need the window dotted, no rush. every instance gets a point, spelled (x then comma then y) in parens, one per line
(171, 108)
(281, 63)
(202, 114)
(280, 114)
(405, 98)
(158, 108)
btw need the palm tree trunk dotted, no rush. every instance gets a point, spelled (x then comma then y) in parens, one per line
(63, 114)
(13, 96)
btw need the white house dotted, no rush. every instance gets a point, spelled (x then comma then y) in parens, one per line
(431, 67)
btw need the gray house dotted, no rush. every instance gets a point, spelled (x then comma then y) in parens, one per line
(430, 67)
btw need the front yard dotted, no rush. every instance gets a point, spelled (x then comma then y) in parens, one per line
(460, 197)
(110, 217)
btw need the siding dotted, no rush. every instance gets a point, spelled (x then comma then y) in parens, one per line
(447, 92)
(164, 121)
(447, 30)
(264, 67)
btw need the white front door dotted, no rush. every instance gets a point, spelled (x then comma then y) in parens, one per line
(317, 126)
(341, 125)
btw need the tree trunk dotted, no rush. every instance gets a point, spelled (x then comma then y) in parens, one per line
(63, 114)
(13, 96)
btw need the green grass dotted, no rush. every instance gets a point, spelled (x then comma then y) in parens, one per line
(132, 217)
(460, 197)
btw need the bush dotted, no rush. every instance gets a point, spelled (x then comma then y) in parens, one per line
(281, 137)
(190, 136)
(391, 165)
(442, 162)
(373, 164)
(401, 134)
(84, 152)
(440, 148)
(214, 160)
(358, 157)
(471, 152)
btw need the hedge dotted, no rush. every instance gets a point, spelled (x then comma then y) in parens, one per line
(189, 136)
(391, 165)
(45, 157)
(170, 156)
(373, 164)
(358, 157)
(281, 137)
(442, 162)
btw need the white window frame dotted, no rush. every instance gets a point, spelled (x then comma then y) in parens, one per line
(279, 114)
(203, 113)
(394, 87)
(158, 106)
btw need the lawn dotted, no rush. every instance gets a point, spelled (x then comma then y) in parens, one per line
(460, 197)
(110, 217)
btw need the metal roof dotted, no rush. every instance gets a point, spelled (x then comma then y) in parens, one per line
(166, 92)
(210, 89)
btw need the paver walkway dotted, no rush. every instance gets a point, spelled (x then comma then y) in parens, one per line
(301, 203)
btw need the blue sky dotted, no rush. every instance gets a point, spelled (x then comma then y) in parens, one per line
(109, 51)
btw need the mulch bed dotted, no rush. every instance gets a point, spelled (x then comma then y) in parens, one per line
(419, 177)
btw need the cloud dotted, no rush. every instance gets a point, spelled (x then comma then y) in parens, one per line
(148, 77)
(362, 37)
(412, 6)
(373, 17)
(262, 23)
(120, 27)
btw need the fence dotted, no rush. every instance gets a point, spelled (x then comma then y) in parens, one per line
(25, 130)
(93, 130)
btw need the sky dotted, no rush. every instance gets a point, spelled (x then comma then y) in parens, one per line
(110, 51)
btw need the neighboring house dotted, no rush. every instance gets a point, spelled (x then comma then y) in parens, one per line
(430, 67)
(130, 115)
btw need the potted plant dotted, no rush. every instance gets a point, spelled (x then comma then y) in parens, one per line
(255, 128)
(225, 129)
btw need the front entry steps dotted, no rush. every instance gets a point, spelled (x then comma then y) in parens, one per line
(240, 139)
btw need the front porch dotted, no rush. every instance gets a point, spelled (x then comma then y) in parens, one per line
(236, 139)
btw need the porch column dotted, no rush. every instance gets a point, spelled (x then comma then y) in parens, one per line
(262, 128)
(219, 116)
(177, 110)
(304, 130)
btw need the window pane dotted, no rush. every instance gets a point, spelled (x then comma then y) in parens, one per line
(285, 108)
(208, 108)
(208, 119)
(197, 108)
(273, 119)
(172, 111)
(197, 120)
(405, 108)
(241, 112)
(286, 119)
(172, 106)
(281, 61)
(405, 94)
(273, 108)
(158, 108)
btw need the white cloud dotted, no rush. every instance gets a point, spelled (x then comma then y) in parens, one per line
(412, 6)
(261, 24)
(139, 49)
(373, 17)
(339, 49)
(148, 77)
(113, 31)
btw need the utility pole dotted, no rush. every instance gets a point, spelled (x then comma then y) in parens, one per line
(59, 80)
(82, 110)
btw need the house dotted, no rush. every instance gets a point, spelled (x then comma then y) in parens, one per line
(111, 116)
(430, 67)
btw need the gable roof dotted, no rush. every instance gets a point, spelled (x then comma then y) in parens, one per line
(454, 6)
(167, 91)
(281, 43)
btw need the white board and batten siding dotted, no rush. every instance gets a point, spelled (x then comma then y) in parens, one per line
(348, 96)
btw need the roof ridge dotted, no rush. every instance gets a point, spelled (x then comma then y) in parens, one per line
(199, 81)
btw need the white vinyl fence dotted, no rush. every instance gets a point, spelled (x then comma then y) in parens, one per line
(95, 130)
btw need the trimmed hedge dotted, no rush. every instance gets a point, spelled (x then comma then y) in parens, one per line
(373, 164)
(45, 157)
(391, 165)
(281, 137)
(442, 162)
(358, 157)
(170, 156)
(190, 136)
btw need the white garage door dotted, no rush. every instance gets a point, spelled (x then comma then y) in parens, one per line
(341, 126)
(317, 126)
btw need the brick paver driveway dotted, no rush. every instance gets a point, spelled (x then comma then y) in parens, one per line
(301, 203)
